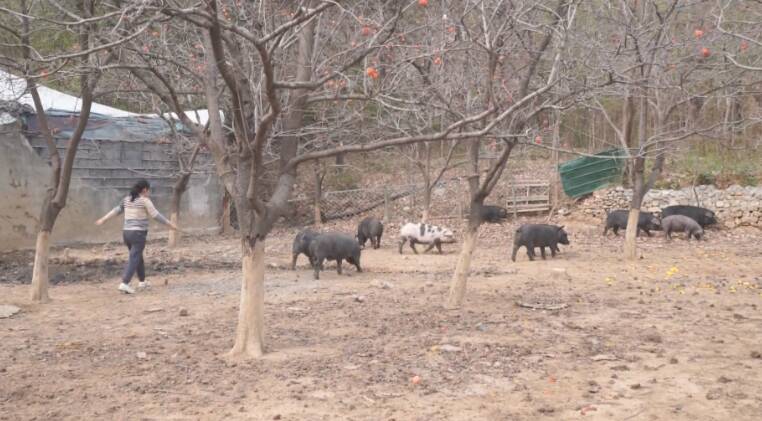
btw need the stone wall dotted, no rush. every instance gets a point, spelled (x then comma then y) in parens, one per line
(734, 206)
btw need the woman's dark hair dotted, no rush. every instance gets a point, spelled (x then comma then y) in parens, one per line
(137, 188)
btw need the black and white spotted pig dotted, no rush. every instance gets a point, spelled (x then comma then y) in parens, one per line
(421, 233)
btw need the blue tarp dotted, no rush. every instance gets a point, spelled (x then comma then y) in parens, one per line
(103, 127)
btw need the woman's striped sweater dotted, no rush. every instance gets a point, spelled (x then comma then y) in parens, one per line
(136, 213)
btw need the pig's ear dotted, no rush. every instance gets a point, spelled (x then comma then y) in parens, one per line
(709, 214)
(561, 227)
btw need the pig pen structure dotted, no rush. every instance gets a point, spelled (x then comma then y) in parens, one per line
(113, 154)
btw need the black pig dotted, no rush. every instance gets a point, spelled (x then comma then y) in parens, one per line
(703, 216)
(336, 247)
(493, 214)
(539, 235)
(302, 245)
(371, 229)
(617, 220)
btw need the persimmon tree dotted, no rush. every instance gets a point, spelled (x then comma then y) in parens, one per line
(525, 84)
(660, 61)
(267, 58)
(740, 26)
(284, 64)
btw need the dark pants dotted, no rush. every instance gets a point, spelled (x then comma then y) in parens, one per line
(135, 242)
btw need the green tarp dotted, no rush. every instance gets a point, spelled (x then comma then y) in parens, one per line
(586, 174)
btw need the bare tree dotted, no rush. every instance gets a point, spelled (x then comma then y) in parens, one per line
(431, 172)
(740, 26)
(320, 173)
(658, 68)
(533, 97)
(739, 22)
(283, 66)
(254, 117)
(82, 61)
(186, 162)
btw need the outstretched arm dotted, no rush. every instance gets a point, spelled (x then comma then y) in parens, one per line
(114, 212)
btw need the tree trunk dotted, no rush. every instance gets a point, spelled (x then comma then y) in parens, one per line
(386, 205)
(638, 191)
(318, 215)
(174, 235)
(462, 269)
(630, 237)
(225, 225)
(318, 199)
(57, 193)
(174, 217)
(638, 184)
(293, 122)
(177, 194)
(555, 157)
(40, 271)
(48, 215)
(426, 214)
(249, 341)
(630, 244)
(628, 119)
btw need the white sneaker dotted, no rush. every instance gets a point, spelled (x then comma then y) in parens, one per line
(143, 284)
(126, 288)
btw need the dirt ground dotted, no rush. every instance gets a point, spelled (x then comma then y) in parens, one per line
(675, 336)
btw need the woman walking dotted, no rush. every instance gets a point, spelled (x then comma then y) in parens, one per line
(137, 207)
